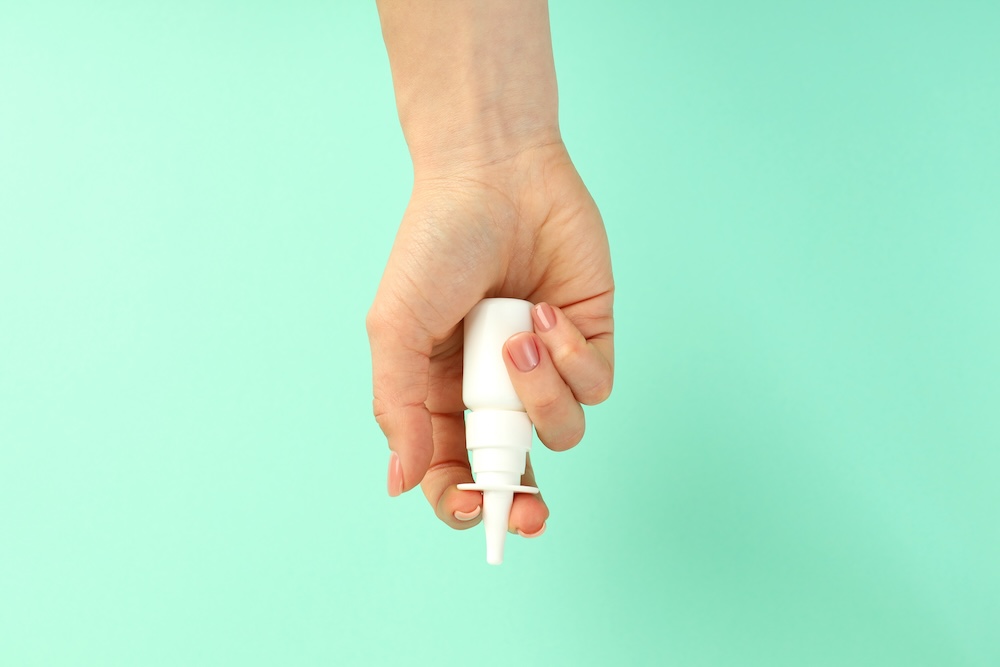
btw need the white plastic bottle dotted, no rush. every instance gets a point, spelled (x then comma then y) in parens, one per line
(497, 429)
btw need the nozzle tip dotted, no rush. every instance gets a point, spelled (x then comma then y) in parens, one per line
(496, 516)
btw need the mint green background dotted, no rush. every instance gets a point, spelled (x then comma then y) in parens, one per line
(799, 464)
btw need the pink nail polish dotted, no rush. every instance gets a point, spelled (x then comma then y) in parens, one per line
(545, 317)
(530, 535)
(523, 352)
(395, 480)
(468, 516)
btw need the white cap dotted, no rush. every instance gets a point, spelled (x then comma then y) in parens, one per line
(497, 430)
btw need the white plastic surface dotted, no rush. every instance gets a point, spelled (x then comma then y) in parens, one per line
(497, 430)
(488, 325)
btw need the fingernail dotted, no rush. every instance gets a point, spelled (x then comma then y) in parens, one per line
(395, 483)
(530, 535)
(468, 516)
(524, 353)
(545, 317)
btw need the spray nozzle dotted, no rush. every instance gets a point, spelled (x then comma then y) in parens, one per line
(497, 429)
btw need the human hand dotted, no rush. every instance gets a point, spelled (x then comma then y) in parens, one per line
(523, 227)
(497, 210)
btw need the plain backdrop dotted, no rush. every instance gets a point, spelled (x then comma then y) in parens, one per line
(799, 462)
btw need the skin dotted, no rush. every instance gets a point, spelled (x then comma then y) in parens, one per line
(497, 209)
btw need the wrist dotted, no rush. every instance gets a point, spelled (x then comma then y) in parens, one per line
(482, 137)
(474, 81)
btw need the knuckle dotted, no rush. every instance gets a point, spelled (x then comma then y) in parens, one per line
(374, 322)
(382, 419)
(564, 438)
(598, 392)
(547, 405)
(568, 351)
(577, 437)
(573, 436)
(449, 468)
(379, 411)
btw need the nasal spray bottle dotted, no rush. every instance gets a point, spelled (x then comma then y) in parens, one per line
(497, 429)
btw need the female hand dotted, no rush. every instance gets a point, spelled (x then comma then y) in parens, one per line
(497, 210)
(525, 227)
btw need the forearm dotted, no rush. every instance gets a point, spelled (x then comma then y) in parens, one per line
(474, 79)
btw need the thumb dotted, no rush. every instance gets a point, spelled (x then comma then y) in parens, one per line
(400, 369)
